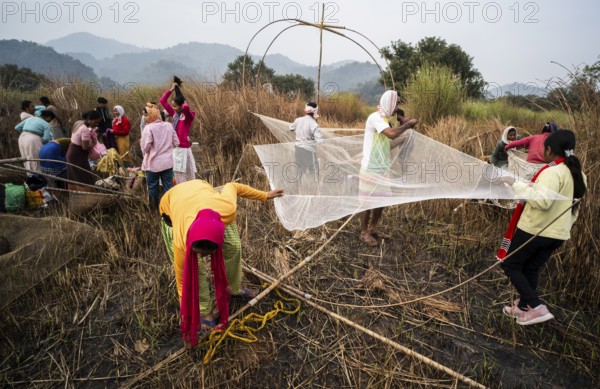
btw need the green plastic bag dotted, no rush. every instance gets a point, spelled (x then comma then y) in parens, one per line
(15, 197)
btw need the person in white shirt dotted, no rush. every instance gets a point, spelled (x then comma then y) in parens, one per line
(376, 161)
(308, 135)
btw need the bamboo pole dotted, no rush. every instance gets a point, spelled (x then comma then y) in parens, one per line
(322, 26)
(320, 53)
(47, 160)
(12, 167)
(306, 299)
(297, 267)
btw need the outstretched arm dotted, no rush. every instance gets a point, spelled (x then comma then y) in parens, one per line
(393, 133)
(233, 190)
(164, 101)
(519, 143)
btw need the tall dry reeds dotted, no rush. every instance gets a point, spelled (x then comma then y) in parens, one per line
(113, 314)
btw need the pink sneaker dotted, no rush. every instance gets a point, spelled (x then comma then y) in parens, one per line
(535, 315)
(513, 311)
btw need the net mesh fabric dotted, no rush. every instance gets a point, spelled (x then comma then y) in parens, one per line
(38, 247)
(335, 186)
(517, 164)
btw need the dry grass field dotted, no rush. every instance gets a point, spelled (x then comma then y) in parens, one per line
(111, 313)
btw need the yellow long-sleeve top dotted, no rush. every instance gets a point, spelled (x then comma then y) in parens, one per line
(541, 211)
(183, 202)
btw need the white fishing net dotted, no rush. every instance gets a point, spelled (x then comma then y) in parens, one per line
(518, 165)
(421, 169)
(37, 248)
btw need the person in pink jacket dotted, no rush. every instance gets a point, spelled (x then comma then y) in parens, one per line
(534, 143)
(157, 143)
(184, 163)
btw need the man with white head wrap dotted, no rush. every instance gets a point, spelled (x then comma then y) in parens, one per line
(308, 135)
(376, 160)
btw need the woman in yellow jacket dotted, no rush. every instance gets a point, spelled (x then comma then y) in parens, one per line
(562, 175)
(197, 221)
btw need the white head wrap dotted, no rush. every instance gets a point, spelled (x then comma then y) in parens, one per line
(387, 103)
(308, 109)
(505, 134)
(121, 112)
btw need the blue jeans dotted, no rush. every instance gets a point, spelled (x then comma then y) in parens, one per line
(153, 179)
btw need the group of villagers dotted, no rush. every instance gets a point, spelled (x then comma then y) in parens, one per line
(198, 221)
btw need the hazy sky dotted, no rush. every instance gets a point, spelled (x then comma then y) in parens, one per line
(511, 41)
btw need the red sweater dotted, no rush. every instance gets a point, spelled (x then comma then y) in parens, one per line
(121, 129)
(534, 144)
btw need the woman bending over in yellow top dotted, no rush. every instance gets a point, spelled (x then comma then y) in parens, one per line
(198, 221)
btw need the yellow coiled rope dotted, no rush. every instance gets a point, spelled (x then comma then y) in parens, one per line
(242, 329)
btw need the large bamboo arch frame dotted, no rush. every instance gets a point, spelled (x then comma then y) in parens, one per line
(322, 27)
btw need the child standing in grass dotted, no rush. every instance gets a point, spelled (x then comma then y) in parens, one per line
(500, 157)
(563, 175)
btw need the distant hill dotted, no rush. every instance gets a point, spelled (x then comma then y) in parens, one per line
(517, 89)
(84, 58)
(125, 63)
(42, 59)
(97, 47)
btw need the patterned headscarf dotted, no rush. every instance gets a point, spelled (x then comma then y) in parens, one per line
(387, 104)
(152, 113)
(308, 109)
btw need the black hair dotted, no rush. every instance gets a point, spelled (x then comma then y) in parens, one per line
(559, 142)
(25, 104)
(400, 111)
(92, 115)
(47, 114)
(102, 100)
(313, 105)
(205, 245)
(549, 127)
(179, 97)
(179, 100)
(512, 129)
(45, 100)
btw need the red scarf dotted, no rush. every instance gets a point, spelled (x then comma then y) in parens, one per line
(207, 226)
(514, 220)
